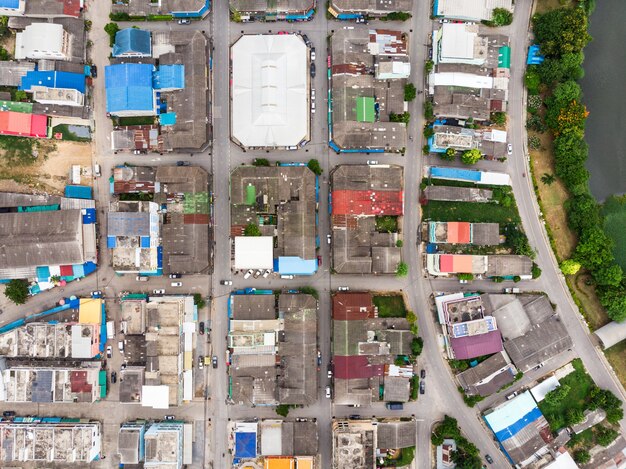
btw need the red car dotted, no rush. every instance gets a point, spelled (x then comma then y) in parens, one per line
(319, 260)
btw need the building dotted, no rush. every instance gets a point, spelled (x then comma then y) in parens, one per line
(346, 9)
(365, 349)
(177, 8)
(611, 334)
(281, 202)
(457, 194)
(490, 266)
(533, 332)
(492, 143)
(462, 43)
(45, 236)
(50, 440)
(129, 90)
(12, 71)
(468, 331)
(289, 10)
(469, 10)
(270, 98)
(142, 138)
(444, 454)
(369, 69)
(273, 351)
(21, 124)
(476, 176)
(164, 446)
(12, 7)
(520, 428)
(361, 196)
(130, 442)
(43, 41)
(158, 350)
(55, 87)
(489, 376)
(455, 232)
(41, 8)
(132, 42)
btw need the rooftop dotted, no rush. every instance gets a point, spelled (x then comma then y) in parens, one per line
(488, 376)
(354, 444)
(132, 42)
(471, 10)
(370, 7)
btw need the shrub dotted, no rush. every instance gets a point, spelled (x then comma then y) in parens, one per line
(120, 16)
(261, 162)
(534, 102)
(198, 300)
(534, 143)
(605, 435)
(536, 271)
(471, 156)
(582, 456)
(428, 67)
(426, 149)
(428, 132)
(532, 80)
(111, 29)
(555, 396)
(417, 344)
(17, 291)
(396, 16)
(404, 117)
(251, 229)
(464, 276)
(314, 166)
(282, 410)
(498, 118)
(428, 110)
(402, 270)
(410, 92)
(570, 267)
(399, 243)
(501, 17)
(497, 279)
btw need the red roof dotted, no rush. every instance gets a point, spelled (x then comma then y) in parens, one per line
(23, 125)
(473, 346)
(71, 7)
(355, 366)
(367, 202)
(78, 382)
(352, 306)
(458, 232)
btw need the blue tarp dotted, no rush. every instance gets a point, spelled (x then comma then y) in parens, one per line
(296, 266)
(52, 79)
(144, 241)
(89, 217)
(168, 77)
(167, 118)
(534, 55)
(78, 192)
(111, 242)
(89, 267)
(129, 87)
(455, 173)
(78, 270)
(132, 41)
(245, 445)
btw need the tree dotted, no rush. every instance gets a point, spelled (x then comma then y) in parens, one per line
(594, 249)
(465, 276)
(614, 301)
(517, 240)
(428, 67)
(402, 270)
(582, 456)
(605, 435)
(498, 117)
(465, 460)
(410, 92)
(548, 179)
(282, 410)
(608, 275)
(111, 29)
(251, 229)
(428, 110)
(571, 118)
(567, 67)
(532, 80)
(20, 95)
(17, 291)
(260, 162)
(582, 212)
(449, 154)
(396, 16)
(428, 132)
(417, 344)
(570, 267)
(426, 149)
(198, 300)
(574, 416)
(4, 54)
(314, 166)
(471, 156)
(500, 17)
(404, 117)
(614, 414)
(603, 398)
(555, 396)
(561, 31)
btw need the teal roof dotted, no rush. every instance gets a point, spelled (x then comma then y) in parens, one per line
(132, 41)
(169, 77)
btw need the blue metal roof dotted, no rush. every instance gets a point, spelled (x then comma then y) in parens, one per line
(169, 77)
(129, 87)
(132, 41)
(289, 265)
(78, 192)
(245, 445)
(10, 4)
(52, 79)
(507, 420)
(455, 173)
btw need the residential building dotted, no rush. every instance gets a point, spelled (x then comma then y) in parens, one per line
(177, 8)
(142, 138)
(281, 202)
(52, 8)
(369, 69)
(163, 444)
(43, 41)
(520, 428)
(492, 143)
(489, 376)
(46, 236)
(130, 442)
(22, 124)
(270, 84)
(12, 7)
(129, 90)
(55, 87)
(458, 232)
(475, 176)
(503, 265)
(469, 10)
(444, 454)
(365, 349)
(50, 440)
(457, 194)
(362, 196)
(132, 42)
(273, 349)
(290, 10)
(346, 9)
(12, 71)
(275, 444)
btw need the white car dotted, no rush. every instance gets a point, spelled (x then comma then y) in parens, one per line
(509, 149)
(177, 284)
(312, 55)
(120, 345)
(372, 162)
(343, 288)
(248, 274)
(159, 291)
(327, 392)
(312, 94)
(226, 282)
(267, 273)
(109, 351)
(328, 238)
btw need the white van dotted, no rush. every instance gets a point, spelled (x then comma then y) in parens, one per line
(97, 170)
(110, 330)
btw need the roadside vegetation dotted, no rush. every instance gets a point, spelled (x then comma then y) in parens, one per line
(390, 306)
(466, 454)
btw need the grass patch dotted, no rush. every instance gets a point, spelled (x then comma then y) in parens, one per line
(138, 120)
(387, 224)
(616, 356)
(64, 130)
(614, 211)
(584, 290)
(548, 5)
(390, 306)
(580, 384)
(473, 212)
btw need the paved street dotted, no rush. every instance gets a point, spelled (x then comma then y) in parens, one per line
(441, 394)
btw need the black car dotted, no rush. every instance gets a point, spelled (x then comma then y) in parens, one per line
(214, 361)
(114, 377)
(201, 328)
(423, 374)
(94, 71)
(306, 40)
(176, 276)
(489, 459)
(312, 70)
(422, 387)
(183, 163)
(8, 413)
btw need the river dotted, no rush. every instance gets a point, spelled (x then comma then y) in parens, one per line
(605, 97)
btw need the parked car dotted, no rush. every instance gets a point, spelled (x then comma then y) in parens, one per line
(328, 238)
(394, 405)
(141, 278)
(312, 94)
(97, 170)
(372, 162)
(319, 358)
(343, 288)
(176, 284)
(226, 282)
(214, 361)
(319, 260)
(313, 107)
(509, 149)
(120, 345)
(489, 459)
(306, 40)
(423, 374)
(422, 387)
(330, 371)
(183, 163)
(158, 291)
(248, 274)
(109, 351)
(267, 273)
(512, 395)
(175, 276)
(96, 294)
(170, 417)
(287, 277)
(201, 327)
(114, 377)
(184, 21)
(200, 362)
(94, 71)
(8, 413)
(312, 70)
(258, 273)
(312, 54)
(328, 393)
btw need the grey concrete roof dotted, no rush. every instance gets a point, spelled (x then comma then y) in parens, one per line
(366, 177)
(460, 194)
(305, 438)
(393, 435)
(256, 307)
(512, 320)
(505, 265)
(473, 379)
(353, 392)
(11, 71)
(396, 389)
(486, 234)
(128, 445)
(372, 7)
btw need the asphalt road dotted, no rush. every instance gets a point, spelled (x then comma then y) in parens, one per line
(441, 395)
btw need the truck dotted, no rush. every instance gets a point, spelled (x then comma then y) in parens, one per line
(511, 290)
(110, 330)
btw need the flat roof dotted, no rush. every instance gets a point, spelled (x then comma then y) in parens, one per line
(254, 252)
(270, 90)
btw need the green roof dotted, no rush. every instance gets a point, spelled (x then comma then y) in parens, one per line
(365, 109)
(504, 57)
(250, 194)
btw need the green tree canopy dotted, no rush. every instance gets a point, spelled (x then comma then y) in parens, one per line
(570, 267)
(561, 31)
(410, 92)
(614, 301)
(315, 166)
(17, 291)
(583, 212)
(605, 435)
(498, 117)
(555, 396)
(594, 249)
(449, 154)
(471, 156)
(251, 229)
(582, 456)
(608, 275)
(402, 270)
(501, 17)
(417, 344)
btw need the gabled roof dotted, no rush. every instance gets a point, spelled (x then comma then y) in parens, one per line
(473, 346)
(368, 202)
(132, 41)
(129, 87)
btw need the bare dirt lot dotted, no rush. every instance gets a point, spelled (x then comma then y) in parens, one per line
(48, 174)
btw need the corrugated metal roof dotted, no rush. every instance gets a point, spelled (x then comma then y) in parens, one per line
(169, 77)
(132, 41)
(53, 79)
(473, 346)
(346, 202)
(129, 87)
